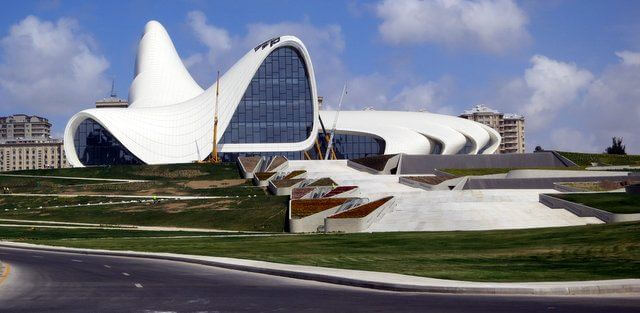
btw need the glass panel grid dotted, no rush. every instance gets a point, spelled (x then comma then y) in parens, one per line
(97, 146)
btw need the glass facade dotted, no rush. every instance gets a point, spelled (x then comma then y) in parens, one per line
(96, 146)
(277, 107)
(349, 146)
(468, 147)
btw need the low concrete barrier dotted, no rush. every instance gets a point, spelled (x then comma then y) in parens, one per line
(356, 225)
(564, 188)
(586, 211)
(282, 191)
(414, 183)
(361, 167)
(314, 222)
(263, 182)
(248, 173)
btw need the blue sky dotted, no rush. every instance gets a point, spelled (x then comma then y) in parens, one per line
(571, 67)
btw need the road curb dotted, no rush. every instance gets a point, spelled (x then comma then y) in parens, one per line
(383, 281)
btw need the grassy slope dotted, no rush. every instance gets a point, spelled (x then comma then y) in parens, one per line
(585, 159)
(249, 208)
(265, 213)
(618, 202)
(568, 253)
(30, 182)
(166, 171)
(36, 234)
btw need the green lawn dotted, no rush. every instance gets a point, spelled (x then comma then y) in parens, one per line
(150, 172)
(568, 253)
(34, 182)
(260, 213)
(618, 202)
(37, 234)
(498, 170)
(585, 159)
(21, 203)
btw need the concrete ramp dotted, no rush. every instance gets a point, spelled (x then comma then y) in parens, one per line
(474, 210)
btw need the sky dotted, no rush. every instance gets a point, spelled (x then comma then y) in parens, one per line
(572, 68)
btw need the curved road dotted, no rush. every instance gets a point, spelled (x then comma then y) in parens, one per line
(69, 282)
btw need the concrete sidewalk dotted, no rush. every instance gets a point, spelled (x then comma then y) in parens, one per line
(374, 280)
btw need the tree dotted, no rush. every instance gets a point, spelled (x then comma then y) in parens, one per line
(538, 149)
(616, 146)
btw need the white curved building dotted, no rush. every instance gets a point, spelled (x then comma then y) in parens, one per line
(267, 105)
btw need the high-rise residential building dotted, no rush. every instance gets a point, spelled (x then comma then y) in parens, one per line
(510, 126)
(26, 143)
(22, 126)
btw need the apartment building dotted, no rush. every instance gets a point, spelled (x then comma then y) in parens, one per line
(26, 143)
(510, 126)
(22, 126)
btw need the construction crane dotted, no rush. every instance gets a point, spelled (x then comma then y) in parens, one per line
(214, 153)
(333, 128)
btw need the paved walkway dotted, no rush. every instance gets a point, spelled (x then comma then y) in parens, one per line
(446, 210)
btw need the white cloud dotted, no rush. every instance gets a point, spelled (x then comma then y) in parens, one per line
(568, 139)
(50, 68)
(428, 96)
(612, 104)
(629, 57)
(326, 45)
(216, 39)
(568, 108)
(492, 25)
(546, 88)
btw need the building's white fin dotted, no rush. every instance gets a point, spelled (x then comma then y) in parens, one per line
(160, 76)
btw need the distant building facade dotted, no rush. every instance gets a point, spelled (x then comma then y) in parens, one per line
(26, 143)
(21, 126)
(510, 127)
(112, 101)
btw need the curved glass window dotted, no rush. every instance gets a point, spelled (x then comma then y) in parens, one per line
(468, 147)
(96, 146)
(349, 146)
(277, 107)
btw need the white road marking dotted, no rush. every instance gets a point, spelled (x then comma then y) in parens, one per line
(138, 285)
(76, 260)
(125, 274)
(107, 266)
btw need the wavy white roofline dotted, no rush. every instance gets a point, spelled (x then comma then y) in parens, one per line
(411, 132)
(170, 118)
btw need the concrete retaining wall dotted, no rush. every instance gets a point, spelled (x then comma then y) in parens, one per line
(282, 191)
(356, 225)
(361, 167)
(529, 183)
(315, 222)
(425, 164)
(562, 188)
(414, 183)
(586, 211)
(249, 174)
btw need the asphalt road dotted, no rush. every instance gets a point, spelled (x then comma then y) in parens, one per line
(66, 282)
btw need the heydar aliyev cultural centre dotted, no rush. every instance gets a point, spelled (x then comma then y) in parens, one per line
(267, 105)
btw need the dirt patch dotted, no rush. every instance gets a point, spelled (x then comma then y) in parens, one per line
(205, 184)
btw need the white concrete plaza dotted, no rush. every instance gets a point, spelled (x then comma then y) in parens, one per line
(444, 210)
